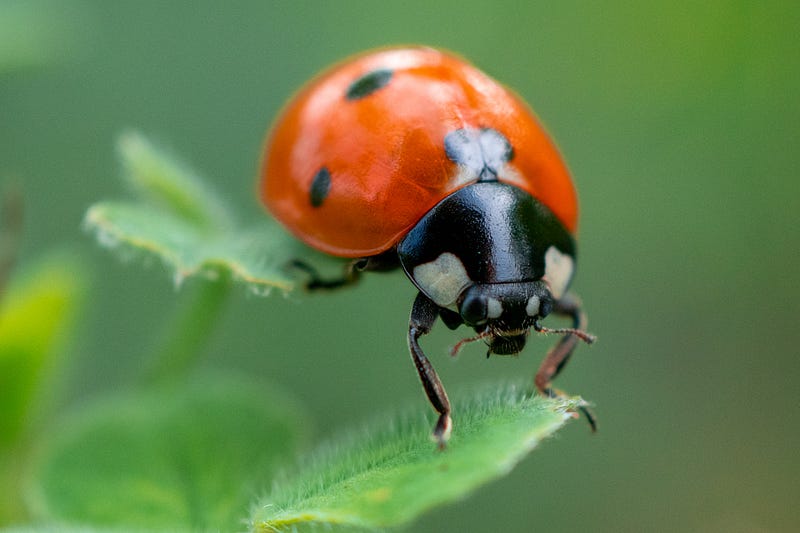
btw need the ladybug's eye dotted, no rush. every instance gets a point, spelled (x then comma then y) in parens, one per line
(474, 309)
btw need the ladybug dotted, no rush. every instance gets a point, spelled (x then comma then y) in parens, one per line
(413, 158)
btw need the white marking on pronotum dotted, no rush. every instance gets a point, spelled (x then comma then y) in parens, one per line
(442, 279)
(558, 270)
(494, 308)
(532, 309)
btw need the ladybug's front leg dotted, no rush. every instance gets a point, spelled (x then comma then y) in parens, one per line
(423, 316)
(559, 355)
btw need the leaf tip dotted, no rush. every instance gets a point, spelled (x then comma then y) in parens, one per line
(94, 224)
(130, 143)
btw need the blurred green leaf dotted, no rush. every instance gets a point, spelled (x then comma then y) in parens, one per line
(36, 33)
(179, 457)
(180, 220)
(63, 528)
(390, 474)
(34, 319)
(170, 185)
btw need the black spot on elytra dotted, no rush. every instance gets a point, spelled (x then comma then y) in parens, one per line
(320, 186)
(368, 84)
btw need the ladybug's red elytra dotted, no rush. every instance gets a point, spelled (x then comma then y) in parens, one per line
(413, 158)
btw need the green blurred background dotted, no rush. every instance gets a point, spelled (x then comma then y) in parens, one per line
(680, 122)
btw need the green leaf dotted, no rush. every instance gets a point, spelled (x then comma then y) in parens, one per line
(179, 219)
(390, 474)
(180, 457)
(35, 319)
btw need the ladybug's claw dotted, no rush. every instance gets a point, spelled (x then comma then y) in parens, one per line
(583, 406)
(590, 417)
(441, 432)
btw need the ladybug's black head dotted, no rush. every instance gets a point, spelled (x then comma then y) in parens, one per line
(503, 313)
(493, 257)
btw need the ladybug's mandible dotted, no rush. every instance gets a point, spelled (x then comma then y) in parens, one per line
(413, 158)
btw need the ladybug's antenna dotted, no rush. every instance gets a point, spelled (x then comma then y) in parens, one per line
(460, 344)
(588, 338)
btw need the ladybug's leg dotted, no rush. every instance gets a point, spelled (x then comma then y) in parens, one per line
(558, 356)
(450, 318)
(382, 262)
(316, 281)
(423, 316)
